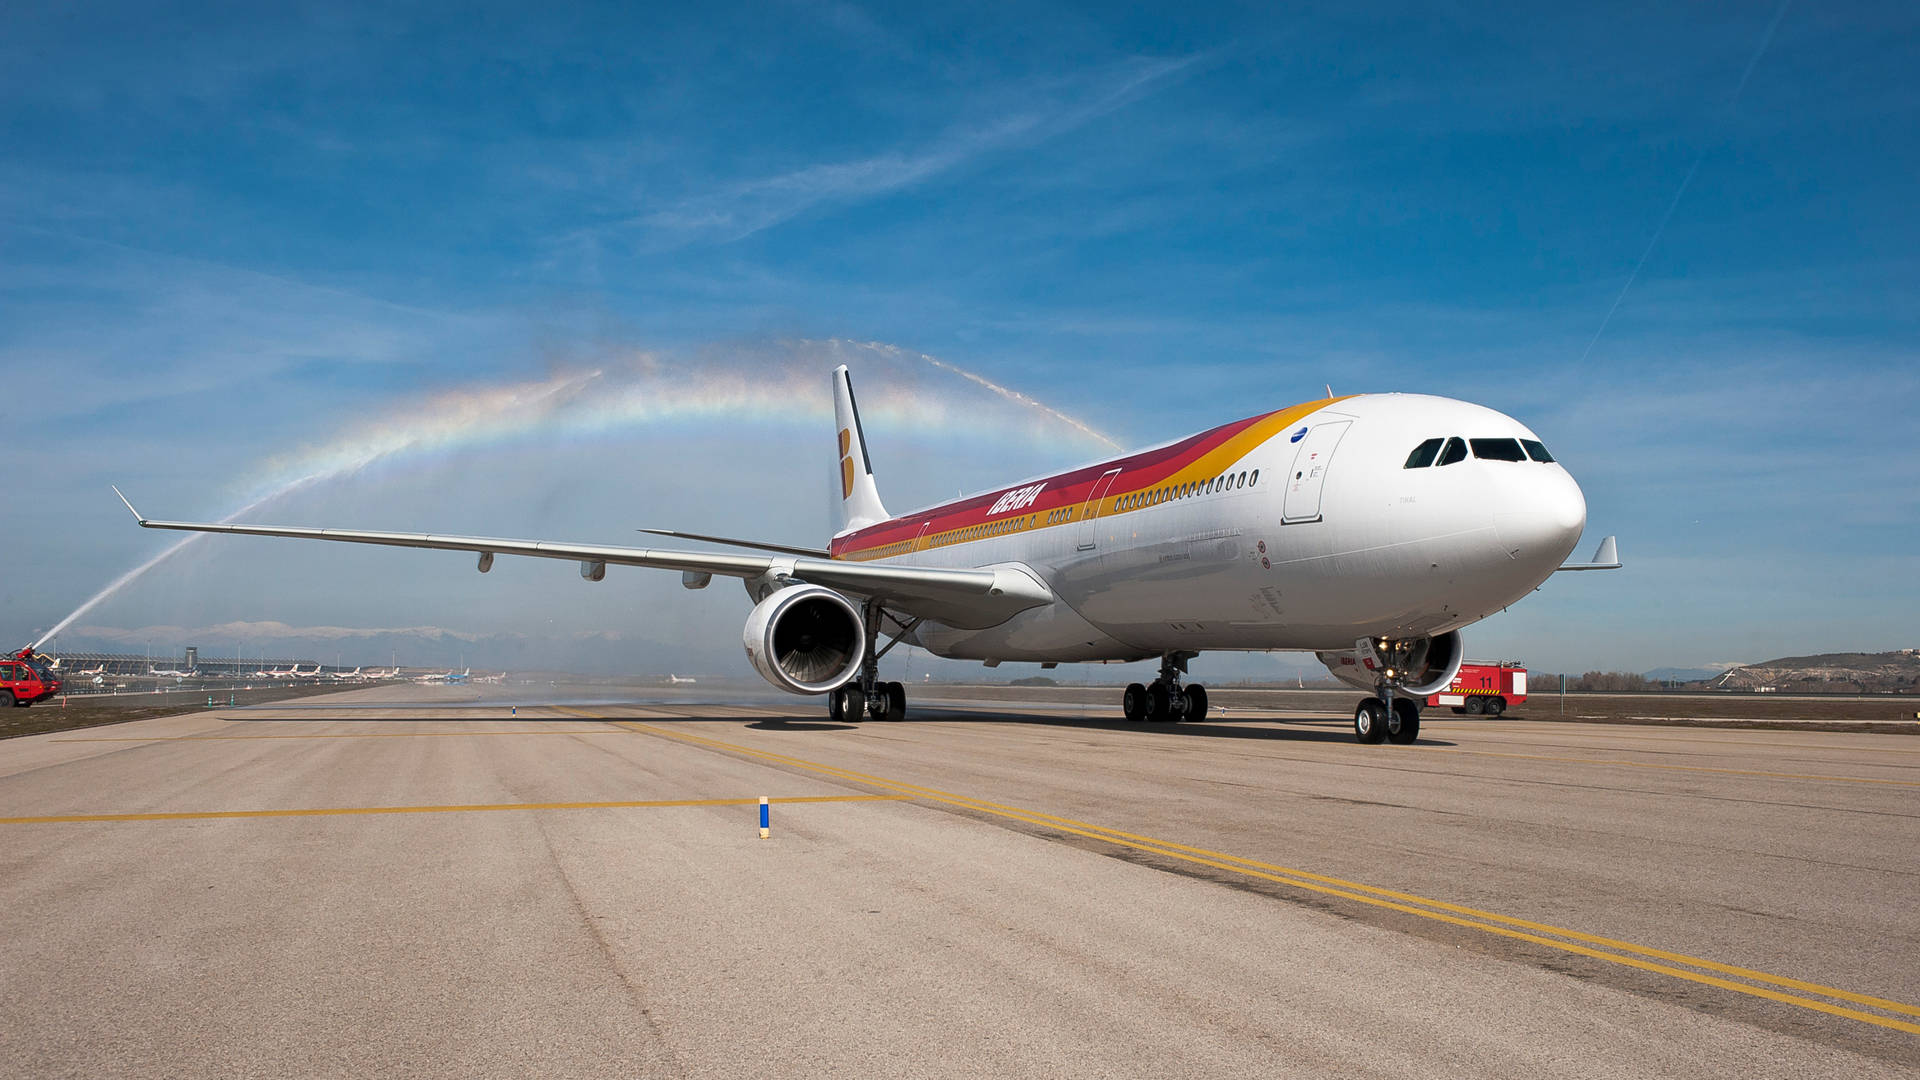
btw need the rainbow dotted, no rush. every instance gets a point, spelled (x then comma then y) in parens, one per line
(644, 392)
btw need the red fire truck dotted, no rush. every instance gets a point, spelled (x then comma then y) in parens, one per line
(25, 679)
(1486, 687)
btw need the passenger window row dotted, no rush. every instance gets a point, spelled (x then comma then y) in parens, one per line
(1226, 482)
(983, 531)
(1448, 451)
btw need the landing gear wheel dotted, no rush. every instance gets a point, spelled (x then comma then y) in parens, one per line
(1196, 703)
(1404, 725)
(1370, 720)
(834, 712)
(896, 702)
(1476, 706)
(1496, 706)
(851, 703)
(1159, 703)
(1133, 704)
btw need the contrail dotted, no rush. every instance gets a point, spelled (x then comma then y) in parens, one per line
(1753, 61)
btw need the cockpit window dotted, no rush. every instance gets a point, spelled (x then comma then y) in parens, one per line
(1456, 451)
(1537, 450)
(1498, 450)
(1424, 454)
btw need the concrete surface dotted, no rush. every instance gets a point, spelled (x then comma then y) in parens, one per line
(1041, 894)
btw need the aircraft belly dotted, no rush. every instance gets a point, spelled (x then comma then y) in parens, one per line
(1050, 632)
(1313, 587)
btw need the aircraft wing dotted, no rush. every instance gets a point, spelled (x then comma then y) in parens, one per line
(969, 599)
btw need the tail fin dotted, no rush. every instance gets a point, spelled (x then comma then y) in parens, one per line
(859, 498)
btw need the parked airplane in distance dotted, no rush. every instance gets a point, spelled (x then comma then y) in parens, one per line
(675, 680)
(1368, 530)
(170, 673)
(445, 677)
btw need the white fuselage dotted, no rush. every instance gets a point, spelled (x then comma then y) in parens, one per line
(1337, 540)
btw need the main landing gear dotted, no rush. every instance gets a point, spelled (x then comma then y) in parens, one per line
(865, 695)
(1164, 700)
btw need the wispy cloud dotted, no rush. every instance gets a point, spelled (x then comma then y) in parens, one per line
(740, 209)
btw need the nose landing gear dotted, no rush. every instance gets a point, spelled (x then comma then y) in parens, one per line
(1391, 716)
(1164, 700)
(1387, 717)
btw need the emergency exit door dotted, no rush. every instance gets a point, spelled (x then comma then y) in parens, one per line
(1309, 472)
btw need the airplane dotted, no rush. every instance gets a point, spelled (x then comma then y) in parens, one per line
(344, 676)
(675, 680)
(170, 673)
(93, 672)
(447, 677)
(1367, 529)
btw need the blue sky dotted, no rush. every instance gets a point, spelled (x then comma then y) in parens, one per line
(233, 235)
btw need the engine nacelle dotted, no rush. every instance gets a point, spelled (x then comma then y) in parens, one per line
(1420, 666)
(805, 639)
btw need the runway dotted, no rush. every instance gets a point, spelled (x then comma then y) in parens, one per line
(406, 880)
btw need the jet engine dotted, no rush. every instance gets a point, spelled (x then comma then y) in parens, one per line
(805, 639)
(1417, 666)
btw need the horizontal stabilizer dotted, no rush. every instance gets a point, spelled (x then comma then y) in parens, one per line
(1605, 557)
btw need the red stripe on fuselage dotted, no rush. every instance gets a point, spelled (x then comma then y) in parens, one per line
(1071, 489)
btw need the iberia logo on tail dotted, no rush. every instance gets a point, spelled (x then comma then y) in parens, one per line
(846, 464)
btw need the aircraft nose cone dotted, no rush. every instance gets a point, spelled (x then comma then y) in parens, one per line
(1545, 519)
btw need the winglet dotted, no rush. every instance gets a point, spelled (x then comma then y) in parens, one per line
(1605, 557)
(130, 509)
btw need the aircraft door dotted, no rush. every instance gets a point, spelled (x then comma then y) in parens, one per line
(1091, 511)
(1309, 472)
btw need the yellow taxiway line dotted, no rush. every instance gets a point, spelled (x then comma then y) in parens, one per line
(340, 811)
(334, 735)
(1578, 942)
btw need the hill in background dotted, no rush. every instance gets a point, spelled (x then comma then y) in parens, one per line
(1828, 673)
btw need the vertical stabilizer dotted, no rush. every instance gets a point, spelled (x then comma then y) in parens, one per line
(859, 498)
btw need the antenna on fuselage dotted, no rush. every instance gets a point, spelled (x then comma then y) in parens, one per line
(1329, 391)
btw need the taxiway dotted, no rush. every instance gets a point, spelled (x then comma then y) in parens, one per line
(432, 881)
